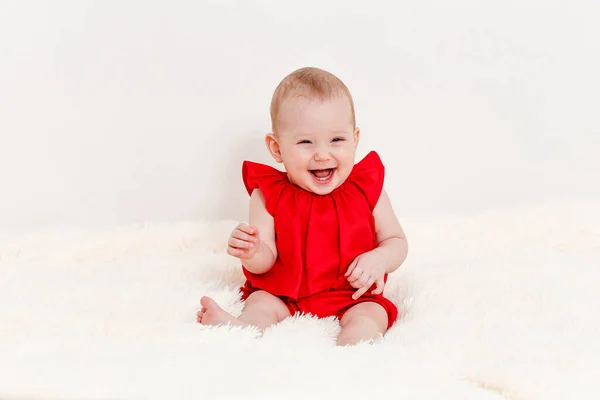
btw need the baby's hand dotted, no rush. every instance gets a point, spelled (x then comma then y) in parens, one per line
(366, 269)
(244, 242)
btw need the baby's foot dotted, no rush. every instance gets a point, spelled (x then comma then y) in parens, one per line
(212, 314)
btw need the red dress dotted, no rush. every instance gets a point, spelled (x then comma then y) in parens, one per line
(317, 237)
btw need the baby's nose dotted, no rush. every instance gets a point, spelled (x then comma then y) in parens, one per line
(321, 155)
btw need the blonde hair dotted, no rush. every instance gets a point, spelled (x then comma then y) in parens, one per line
(309, 82)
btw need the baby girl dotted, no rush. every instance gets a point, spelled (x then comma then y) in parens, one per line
(322, 237)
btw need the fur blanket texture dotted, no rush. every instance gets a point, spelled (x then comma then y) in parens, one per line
(500, 305)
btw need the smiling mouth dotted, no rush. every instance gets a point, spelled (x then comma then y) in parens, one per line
(322, 175)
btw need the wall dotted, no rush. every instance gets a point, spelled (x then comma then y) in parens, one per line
(120, 112)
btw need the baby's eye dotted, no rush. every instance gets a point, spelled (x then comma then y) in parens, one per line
(304, 142)
(338, 139)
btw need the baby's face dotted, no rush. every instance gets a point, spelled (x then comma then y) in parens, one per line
(317, 142)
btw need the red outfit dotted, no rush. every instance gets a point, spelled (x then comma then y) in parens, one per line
(317, 237)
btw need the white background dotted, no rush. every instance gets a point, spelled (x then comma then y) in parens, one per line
(114, 112)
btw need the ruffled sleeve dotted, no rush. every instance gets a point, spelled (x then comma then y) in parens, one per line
(368, 175)
(269, 180)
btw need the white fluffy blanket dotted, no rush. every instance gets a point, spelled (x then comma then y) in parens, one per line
(499, 305)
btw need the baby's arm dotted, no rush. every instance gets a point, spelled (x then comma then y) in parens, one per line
(262, 221)
(393, 245)
(370, 268)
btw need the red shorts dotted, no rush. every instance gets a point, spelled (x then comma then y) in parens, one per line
(331, 303)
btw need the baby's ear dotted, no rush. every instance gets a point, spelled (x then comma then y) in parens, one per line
(273, 147)
(356, 136)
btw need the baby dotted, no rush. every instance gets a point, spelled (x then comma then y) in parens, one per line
(322, 237)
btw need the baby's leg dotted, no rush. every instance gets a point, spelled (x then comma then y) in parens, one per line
(261, 309)
(362, 322)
